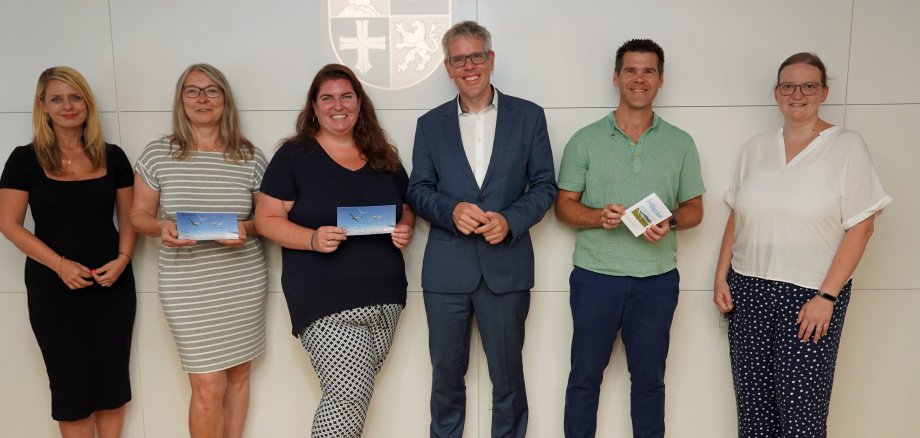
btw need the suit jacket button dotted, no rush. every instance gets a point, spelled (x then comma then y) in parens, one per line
(480, 199)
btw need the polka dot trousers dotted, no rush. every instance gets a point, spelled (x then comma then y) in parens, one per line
(782, 385)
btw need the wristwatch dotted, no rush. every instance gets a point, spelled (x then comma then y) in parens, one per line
(830, 297)
(672, 224)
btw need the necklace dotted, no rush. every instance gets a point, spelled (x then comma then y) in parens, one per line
(65, 162)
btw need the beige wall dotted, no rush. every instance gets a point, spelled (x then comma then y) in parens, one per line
(721, 61)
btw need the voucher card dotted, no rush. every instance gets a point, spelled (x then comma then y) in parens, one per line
(207, 226)
(368, 219)
(647, 212)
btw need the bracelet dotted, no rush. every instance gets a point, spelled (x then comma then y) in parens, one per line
(126, 255)
(61, 268)
(826, 296)
(311, 240)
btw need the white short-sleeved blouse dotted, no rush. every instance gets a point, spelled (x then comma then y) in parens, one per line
(790, 218)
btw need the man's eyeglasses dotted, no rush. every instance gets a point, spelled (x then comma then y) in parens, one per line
(192, 91)
(460, 60)
(808, 88)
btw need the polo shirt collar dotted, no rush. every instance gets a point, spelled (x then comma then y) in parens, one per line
(614, 129)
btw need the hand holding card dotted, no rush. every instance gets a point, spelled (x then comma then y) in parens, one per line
(645, 213)
(207, 226)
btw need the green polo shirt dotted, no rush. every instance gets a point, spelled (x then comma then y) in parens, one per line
(604, 164)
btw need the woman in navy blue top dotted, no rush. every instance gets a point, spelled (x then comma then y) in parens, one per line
(344, 293)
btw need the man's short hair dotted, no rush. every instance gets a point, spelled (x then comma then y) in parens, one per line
(469, 29)
(641, 45)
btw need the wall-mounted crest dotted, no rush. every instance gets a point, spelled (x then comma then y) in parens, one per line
(390, 44)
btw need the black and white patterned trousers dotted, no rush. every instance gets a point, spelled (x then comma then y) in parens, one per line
(347, 350)
(782, 385)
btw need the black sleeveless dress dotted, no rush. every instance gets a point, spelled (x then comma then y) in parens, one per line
(85, 334)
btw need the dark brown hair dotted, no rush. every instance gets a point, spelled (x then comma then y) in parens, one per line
(641, 45)
(804, 58)
(369, 137)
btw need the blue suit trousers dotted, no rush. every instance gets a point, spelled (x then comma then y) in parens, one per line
(500, 318)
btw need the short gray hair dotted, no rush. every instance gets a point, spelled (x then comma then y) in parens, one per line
(469, 29)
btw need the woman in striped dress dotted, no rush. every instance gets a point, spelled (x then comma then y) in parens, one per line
(212, 291)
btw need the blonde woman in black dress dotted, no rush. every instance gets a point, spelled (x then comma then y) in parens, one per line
(78, 274)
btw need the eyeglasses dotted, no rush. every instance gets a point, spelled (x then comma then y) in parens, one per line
(192, 91)
(460, 60)
(808, 88)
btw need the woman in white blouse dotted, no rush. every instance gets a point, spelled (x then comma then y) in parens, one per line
(803, 203)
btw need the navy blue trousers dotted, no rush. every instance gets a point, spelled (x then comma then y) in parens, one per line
(642, 309)
(782, 385)
(500, 318)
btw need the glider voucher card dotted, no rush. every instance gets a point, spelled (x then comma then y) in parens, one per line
(368, 219)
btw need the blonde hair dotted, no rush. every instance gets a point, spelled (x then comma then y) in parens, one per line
(43, 139)
(236, 146)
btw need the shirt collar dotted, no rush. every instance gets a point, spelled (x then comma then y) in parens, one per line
(493, 105)
(614, 129)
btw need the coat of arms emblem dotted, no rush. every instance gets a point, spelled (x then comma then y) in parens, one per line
(389, 44)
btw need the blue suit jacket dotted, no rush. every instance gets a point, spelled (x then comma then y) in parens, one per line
(520, 184)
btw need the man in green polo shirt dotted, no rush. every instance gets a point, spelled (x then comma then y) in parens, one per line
(621, 282)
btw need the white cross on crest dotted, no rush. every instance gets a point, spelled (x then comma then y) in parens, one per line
(390, 44)
(363, 44)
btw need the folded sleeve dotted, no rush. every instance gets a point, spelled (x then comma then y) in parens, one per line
(863, 194)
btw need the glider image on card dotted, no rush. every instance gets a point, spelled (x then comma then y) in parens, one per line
(645, 213)
(368, 219)
(207, 226)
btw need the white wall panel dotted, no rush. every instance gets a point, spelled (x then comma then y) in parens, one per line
(269, 51)
(35, 35)
(25, 406)
(884, 66)
(717, 52)
(876, 388)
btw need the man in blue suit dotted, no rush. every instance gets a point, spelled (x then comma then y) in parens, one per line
(482, 175)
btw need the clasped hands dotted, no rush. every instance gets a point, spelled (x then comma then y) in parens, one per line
(470, 219)
(611, 217)
(77, 276)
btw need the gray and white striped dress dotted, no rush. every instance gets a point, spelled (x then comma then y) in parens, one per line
(213, 296)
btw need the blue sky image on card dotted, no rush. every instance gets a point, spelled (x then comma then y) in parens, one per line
(207, 226)
(369, 219)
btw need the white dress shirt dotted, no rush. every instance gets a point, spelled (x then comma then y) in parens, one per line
(477, 131)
